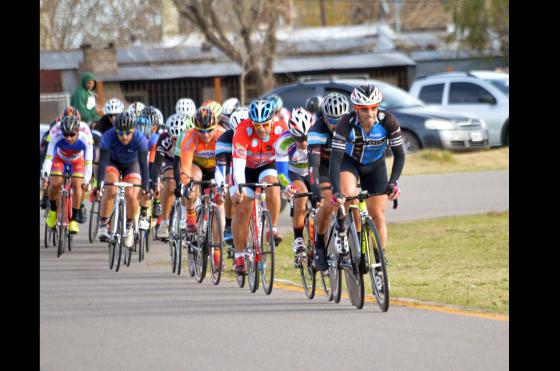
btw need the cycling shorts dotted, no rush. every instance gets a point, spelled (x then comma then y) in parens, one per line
(77, 166)
(256, 175)
(372, 177)
(304, 179)
(128, 171)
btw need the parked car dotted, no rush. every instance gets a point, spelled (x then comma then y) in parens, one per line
(422, 126)
(484, 94)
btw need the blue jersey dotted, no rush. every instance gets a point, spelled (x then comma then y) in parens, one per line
(120, 153)
(366, 148)
(153, 140)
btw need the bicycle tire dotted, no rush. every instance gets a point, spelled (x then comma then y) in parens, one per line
(376, 266)
(93, 221)
(120, 240)
(60, 226)
(251, 267)
(240, 277)
(141, 243)
(215, 229)
(268, 249)
(334, 270)
(326, 283)
(46, 237)
(306, 271)
(171, 240)
(201, 251)
(69, 239)
(354, 279)
(178, 253)
(148, 236)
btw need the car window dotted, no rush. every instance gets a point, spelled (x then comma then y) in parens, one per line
(296, 97)
(431, 93)
(467, 93)
(502, 84)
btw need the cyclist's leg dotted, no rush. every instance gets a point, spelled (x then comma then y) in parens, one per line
(77, 181)
(349, 176)
(190, 202)
(375, 181)
(112, 175)
(298, 219)
(132, 175)
(242, 215)
(269, 174)
(167, 196)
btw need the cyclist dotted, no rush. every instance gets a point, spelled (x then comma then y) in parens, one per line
(313, 105)
(293, 169)
(123, 152)
(358, 149)
(186, 107)
(42, 154)
(198, 159)
(113, 107)
(155, 117)
(217, 109)
(68, 146)
(280, 113)
(144, 126)
(164, 160)
(319, 153)
(224, 164)
(254, 161)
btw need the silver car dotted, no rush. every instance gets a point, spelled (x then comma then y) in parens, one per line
(478, 94)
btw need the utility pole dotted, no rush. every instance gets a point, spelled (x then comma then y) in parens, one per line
(323, 12)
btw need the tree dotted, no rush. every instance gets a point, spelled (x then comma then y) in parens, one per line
(244, 30)
(65, 24)
(477, 21)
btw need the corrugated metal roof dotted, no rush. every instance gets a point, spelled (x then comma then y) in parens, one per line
(60, 60)
(282, 65)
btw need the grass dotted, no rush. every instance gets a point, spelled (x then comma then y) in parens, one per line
(461, 260)
(431, 161)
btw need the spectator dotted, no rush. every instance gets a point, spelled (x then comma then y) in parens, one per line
(84, 99)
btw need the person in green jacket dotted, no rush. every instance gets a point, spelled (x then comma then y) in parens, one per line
(84, 99)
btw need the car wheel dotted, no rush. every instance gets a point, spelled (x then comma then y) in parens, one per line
(410, 142)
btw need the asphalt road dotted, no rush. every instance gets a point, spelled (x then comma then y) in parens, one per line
(145, 318)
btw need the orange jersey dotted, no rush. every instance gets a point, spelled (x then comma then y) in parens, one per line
(249, 146)
(152, 154)
(194, 150)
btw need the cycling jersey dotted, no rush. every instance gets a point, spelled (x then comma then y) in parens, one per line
(319, 143)
(60, 152)
(194, 150)
(289, 158)
(152, 146)
(223, 157)
(164, 157)
(351, 140)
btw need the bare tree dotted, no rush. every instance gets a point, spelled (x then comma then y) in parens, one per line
(65, 24)
(244, 30)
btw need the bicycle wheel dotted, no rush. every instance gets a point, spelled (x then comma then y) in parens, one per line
(60, 226)
(46, 237)
(201, 251)
(350, 263)
(120, 241)
(148, 240)
(334, 271)
(267, 247)
(93, 220)
(173, 227)
(141, 245)
(306, 272)
(251, 267)
(178, 251)
(216, 244)
(69, 241)
(377, 270)
(326, 283)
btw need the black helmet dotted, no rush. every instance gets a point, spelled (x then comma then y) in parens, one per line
(204, 118)
(313, 104)
(144, 125)
(125, 121)
(69, 124)
(151, 113)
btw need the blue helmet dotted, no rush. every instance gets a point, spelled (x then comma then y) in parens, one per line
(261, 110)
(144, 125)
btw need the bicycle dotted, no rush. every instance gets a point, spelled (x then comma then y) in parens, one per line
(209, 239)
(118, 225)
(260, 246)
(176, 236)
(93, 220)
(142, 236)
(50, 233)
(64, 213)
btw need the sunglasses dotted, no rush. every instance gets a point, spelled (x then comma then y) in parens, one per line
(332, 120)
(66, 135)
(264, 125)
(373, 106)
(122, 133)
(205, 131)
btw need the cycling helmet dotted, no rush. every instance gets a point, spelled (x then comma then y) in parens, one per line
(237, 116)
(366, 95)
(313, 104)
(276, 101)
(214, 106)
(335, 105)
(204, 118)
(153, 114)
(144, 125)
(71, 111)
(176, 124)
(113, 106)
(260, 110)
(229, 106)
(70, 124)
(125, 121)
(300, 122)
(185, 106)
(135, 108)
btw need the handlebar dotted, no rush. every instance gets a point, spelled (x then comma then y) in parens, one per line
(261, 185)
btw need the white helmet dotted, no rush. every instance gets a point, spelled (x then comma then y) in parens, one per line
(300, 122)
(135, 108)
(159, 115)
(366, 95)
(185, 106)
(176, 124)
(237, 116)
(229, 106)
(113, 106)
(335, 105)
